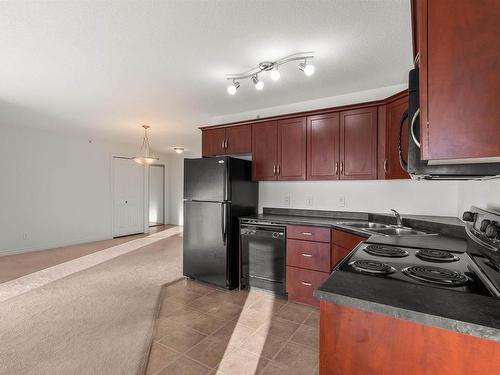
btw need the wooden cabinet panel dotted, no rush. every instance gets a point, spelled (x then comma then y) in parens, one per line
(212, 142)
(337, 253)
(389, 140)
(292, 149)
(308, 254)
(348, 335)
(323, 132)
(346, 240)
(301, 283)
(239, 139)
(307, 233)
(358, 144)
(459, 78)
(264, 151)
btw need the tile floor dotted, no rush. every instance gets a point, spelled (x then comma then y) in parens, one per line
(206, 330)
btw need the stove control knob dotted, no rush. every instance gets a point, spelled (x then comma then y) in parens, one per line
(468, 216)
(492, 230)
(484, 225)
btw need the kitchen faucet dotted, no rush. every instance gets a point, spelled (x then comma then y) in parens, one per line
(398, 217)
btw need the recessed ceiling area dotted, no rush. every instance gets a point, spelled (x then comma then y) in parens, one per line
(104, 68)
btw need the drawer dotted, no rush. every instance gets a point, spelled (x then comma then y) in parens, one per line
(308, 254)
(346, 240)
(308, 233)
(338, 253)
(300, 284)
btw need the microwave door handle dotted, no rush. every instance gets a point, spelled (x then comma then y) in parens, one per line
(402, 161)
(412, 127)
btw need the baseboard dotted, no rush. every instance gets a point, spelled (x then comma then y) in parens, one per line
(53, 245)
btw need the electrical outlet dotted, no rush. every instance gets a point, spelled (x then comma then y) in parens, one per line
(342, 201)
(25, 236)
(309, 201)
(287, 200)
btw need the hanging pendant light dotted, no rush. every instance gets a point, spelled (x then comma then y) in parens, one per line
(146, 155)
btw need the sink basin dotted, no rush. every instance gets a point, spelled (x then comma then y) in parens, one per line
(398, 231)
(368, 225)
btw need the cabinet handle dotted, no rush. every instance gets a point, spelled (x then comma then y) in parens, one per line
(336, 168)
(306, 255)
(341, 167)
(274, 169)
(307, 233)
(306, 283)
(225, 144)
(278, 171)
(385, 166)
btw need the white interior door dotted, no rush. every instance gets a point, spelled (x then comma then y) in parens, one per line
(128, 204)
(156, 194)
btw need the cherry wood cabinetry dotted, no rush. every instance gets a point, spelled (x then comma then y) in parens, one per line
(212, 142)
(230, 140)
(342, 244)
(459, 77)
(291, 149)
(323, 153)
(358, 144)
(264, 151)
(389, 117)
(358, 342)
(307, 262)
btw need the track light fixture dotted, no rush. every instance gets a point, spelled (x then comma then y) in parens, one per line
(272, 67)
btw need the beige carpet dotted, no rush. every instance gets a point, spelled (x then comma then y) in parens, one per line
(95, 321)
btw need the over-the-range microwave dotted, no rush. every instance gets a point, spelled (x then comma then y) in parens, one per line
(435, 170)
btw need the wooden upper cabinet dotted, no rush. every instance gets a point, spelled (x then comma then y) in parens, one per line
(323, 153)
(239, 139)
(358, 144)
(230, 140)
(264, 151)
(458, 44)
(292, 149)
(389, 165)
(212, 142)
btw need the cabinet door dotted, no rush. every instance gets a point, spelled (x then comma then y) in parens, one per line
(239, 139)
(292, 149)
(323, 132)
(264, 151)
(358, 144)
(391, 165)
(212, 142)
(460, 80)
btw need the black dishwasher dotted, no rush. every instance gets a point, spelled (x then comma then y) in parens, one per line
(263, 256)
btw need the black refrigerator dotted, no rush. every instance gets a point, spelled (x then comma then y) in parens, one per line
(217, 191)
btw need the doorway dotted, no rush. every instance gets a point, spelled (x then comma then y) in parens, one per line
(156, 195)
(128, 197)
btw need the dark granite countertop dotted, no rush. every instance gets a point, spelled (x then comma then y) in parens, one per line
(461, 312)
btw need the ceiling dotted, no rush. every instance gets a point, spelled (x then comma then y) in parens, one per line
(103, 68)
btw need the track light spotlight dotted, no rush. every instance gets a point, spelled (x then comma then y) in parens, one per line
(231, 90)
(308, 69)
(275, 74)
(259, 85)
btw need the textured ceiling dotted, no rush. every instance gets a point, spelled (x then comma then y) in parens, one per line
(103, 68)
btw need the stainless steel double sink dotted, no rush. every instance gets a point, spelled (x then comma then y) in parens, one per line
(382, 229)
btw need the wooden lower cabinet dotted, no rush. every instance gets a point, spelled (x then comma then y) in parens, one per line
(308, 233)
(337, 253)
(308, 254)
(301, 283)
(358, 342)
(346, 240)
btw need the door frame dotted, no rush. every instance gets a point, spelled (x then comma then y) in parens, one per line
(163, 190)
(145, 200)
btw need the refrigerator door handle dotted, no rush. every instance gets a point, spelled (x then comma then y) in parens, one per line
(224, 222)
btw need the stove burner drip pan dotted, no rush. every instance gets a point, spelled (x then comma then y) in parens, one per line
(436, 275)
(372, 267)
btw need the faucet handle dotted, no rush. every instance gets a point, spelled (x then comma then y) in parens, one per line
(395, 212)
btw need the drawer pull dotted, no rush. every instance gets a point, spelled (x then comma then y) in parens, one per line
(307, 233)
(306, 283)
(307, 255)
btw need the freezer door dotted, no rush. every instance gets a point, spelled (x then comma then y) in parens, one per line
(206, 179)
(206, 228)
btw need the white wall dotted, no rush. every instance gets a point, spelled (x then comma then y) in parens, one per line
(55, 189)
(483, 194)
(175, 168)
